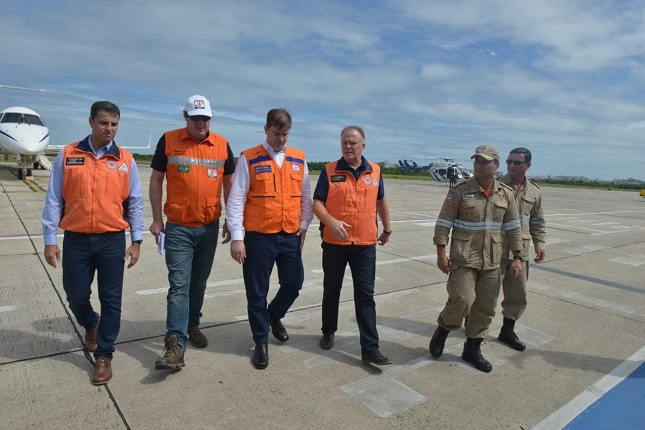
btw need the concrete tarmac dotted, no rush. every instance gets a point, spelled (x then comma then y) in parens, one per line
(585, 318)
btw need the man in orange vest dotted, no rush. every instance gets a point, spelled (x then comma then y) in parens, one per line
(197, 165)
(271, 200)
(347, 199)
(94, 194)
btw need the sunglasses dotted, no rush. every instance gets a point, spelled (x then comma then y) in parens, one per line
(515, 162)
(203, 118)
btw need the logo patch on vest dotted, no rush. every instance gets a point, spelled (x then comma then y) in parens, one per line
(124, 168)
(338, 178)
(74, 161)
(262, 169)
(212, 172)
(183, 169)
(111, 164)
(375, 182)
(449, 196)
(295, 167)
(367, 180)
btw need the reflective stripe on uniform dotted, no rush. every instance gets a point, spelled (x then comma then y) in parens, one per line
(183, 161)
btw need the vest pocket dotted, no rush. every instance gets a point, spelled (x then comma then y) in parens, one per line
(265, 186)
(176, 211)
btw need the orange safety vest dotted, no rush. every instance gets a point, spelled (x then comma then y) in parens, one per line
(194, 174)
(354, 202)
(95, 190)
(273, 200)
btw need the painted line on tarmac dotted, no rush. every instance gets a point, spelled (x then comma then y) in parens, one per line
(593, 213)
(8, 308)
(566, 414)
(575, 227)
(584, 249)
(396, 261)
(581, 299)
(589, 279)
(634, 260)
(208, 285)
(384, 395)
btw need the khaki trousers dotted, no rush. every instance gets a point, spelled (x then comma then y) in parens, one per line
(514, 302)
(471, 292)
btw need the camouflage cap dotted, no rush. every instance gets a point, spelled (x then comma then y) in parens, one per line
(489, 152)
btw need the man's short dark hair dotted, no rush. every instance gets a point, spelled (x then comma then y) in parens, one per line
(353, 127)
(526, 152)
(104, 106)
(281, 118)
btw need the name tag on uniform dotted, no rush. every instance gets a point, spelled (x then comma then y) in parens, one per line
(212, 172)
(262, 169)
(183, 169)
(338, 178)
(74, 161)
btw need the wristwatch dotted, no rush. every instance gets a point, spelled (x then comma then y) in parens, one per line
(518, 257)
(387, 232)
(138, 241)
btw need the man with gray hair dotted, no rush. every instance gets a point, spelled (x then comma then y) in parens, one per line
(347, 199)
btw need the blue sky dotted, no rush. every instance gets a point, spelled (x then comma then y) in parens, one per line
(426, 79)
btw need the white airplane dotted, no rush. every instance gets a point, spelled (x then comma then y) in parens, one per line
(23, 134)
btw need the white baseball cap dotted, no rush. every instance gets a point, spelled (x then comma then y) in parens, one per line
(198, 105)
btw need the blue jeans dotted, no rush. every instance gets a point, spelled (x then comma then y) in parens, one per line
(84, 254)
(262, 252)
(189, 256)
(362, 263)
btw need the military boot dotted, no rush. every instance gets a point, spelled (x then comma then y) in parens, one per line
(438, 341)
(507, 335)
(173, 355)
(472, 354)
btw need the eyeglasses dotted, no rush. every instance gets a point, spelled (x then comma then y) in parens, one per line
(515, 162)
(203, 118)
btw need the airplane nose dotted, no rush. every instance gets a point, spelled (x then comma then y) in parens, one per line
(32, 142)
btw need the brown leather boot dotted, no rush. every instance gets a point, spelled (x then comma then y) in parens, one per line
(90, 338)
(102, 371)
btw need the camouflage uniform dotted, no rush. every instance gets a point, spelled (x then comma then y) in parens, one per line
(529, 203)
(477, 223)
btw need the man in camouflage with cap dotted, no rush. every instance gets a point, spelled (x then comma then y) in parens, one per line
(477, 211)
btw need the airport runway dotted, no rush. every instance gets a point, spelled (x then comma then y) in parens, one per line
(584, 326)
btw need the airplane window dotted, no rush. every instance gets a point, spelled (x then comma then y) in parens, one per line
(33, 119)
(11, 117)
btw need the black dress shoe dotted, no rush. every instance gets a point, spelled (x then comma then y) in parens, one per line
(376, 358)
(261, 356)
(278, 330)
(327, 341)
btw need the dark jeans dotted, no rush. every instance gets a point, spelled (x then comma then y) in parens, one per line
(262, 252)
(189, 257)
(84, 254)
(362, 263)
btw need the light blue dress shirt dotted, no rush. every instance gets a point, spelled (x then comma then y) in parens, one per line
(54, 201)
